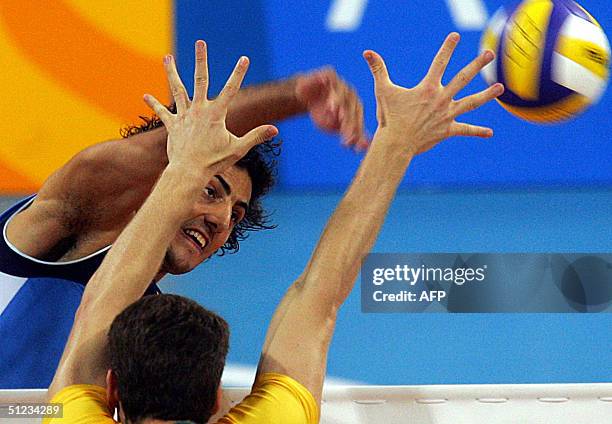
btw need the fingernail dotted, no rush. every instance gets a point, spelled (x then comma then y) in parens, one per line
(167, 59)
(243, 60)
(499, 88)
(488, 55)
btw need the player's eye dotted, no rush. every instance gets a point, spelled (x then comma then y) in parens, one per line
(210, 192)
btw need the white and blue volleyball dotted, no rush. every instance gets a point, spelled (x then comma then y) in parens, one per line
(552, 56)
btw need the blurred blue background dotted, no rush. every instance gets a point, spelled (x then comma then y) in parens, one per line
(424, 348)
(530, 189)
(283, 38)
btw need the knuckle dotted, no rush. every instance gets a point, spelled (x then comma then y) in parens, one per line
(200, 80)
(179, 94)
(331, 74)
(231, 88)
(429, 89)
(377, 68)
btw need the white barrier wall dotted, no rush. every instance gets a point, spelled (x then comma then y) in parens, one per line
(459, 404)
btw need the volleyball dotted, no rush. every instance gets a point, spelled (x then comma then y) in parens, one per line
(552, 56)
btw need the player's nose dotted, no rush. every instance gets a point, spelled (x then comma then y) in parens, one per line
(220, 217)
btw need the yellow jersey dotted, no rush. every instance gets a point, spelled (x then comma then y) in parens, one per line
(275, 399)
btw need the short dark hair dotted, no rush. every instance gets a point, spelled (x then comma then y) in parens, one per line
(168, 354)
(260, 163)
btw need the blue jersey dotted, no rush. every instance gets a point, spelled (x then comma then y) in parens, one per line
(38, 301)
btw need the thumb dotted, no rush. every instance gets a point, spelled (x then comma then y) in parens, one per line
(257, 136)
(377, 67)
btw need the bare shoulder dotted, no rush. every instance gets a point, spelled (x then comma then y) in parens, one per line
(94, 193)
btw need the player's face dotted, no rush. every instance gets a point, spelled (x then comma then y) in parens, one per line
(221, 205)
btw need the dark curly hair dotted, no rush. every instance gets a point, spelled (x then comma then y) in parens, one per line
(260, 163)
(168, 354)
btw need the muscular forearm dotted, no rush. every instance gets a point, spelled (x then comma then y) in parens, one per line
(264, 103)
(136, 256)
(410, 121)
(122, 278)
(312, 302)
(335, 263)
(120, 174)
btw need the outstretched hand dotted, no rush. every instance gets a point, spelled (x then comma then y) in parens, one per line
(333, 105)
(197, 134)
(425, 115)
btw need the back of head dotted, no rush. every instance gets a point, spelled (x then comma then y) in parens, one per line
(168, 354)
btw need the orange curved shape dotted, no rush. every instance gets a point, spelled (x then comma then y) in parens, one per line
(82, 58)
(12, 181)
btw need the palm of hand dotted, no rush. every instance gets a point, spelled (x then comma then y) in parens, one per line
(425, 115)
(197, 135)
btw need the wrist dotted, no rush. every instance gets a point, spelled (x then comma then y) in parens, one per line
(262, 104)
(397, 141)
(153, 143)
(299, 101)
(187, 174)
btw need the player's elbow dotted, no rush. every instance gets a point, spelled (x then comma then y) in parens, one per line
(94, 303)
(322, 304)
(83, 316)
(86, 308)
(329, 289)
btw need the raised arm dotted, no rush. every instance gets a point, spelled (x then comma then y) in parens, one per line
(332, 104)
(410, 121)
(85, 204)
(199, 147)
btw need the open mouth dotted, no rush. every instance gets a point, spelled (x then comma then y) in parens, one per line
(196, 237)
